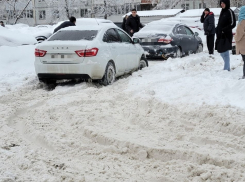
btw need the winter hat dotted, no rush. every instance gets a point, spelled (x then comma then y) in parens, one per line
(241, 14)
(227, 3)
(207, 9)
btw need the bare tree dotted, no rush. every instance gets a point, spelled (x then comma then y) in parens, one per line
(14, 9)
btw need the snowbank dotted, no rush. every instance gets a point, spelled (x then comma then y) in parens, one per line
(9, 37)
(177, 120)
(16, 67)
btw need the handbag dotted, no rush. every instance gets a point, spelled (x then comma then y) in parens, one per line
(223, 44)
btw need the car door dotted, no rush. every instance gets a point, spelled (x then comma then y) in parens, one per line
(183, 38)
(113, 40)
(192, 42)
(129, 50)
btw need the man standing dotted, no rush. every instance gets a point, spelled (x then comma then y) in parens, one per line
(133, 24)
(2, 24)
(208, 21)
(72, 22)
(227, 22)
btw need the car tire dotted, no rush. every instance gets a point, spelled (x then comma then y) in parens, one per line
(110, 74)
(143, 63)
(178, 53)
(199, 48)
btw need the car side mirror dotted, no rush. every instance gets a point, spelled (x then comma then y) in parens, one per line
(136, 40)
(196, 34)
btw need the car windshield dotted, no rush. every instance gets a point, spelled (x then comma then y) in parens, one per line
(74, 35)
(158, 28)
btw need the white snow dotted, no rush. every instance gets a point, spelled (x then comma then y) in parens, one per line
(167, 12)
(15, 38)
(177, 120)
(198, 12)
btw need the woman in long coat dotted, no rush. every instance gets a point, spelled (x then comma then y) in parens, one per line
(240, 37)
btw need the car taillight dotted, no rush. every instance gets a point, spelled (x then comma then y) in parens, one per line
(167, 41)
(87, 52)
(40, 53)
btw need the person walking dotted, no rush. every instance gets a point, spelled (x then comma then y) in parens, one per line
(227, 22)
(124, 23)
(240, 37)
(72, 22)
(2, 24)
(133, 23)
(208, 21)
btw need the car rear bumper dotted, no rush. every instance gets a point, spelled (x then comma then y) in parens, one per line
(159, 51)
(58, 76)
(91, 70)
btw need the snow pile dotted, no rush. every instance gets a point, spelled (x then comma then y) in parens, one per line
(15, 38)
(181, 119)
(16, 67)
(177, 120)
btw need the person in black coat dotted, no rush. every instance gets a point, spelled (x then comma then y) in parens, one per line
(124, 23)
(133, 23)
(208, 21)
(227, 21)
(72, 22)
(2, 24)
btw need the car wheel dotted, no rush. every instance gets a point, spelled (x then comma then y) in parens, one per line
(110, 74)
(178, 53)
(40, 40)
(200, 48)
(143, 63)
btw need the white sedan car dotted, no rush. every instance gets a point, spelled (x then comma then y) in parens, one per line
(98, 52)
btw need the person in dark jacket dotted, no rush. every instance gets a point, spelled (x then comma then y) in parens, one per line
(227, 22)
(124, 23)
(72, 22)
(208, 21)
(2, 24)
(133, 24)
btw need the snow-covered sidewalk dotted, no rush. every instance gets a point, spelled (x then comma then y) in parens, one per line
(177, 120)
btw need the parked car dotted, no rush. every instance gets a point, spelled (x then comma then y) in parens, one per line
(119, 24)
(163, 39)
(100, 52)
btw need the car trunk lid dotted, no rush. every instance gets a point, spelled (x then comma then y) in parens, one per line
(62, 52)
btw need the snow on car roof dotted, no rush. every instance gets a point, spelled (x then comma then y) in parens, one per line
(88, 21)
(167, 12)
(88, 27)
(162, 22)
(198, 12)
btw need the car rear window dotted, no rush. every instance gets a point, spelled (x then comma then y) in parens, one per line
(74, 35)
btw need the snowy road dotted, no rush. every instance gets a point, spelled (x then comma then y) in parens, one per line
(178, 120)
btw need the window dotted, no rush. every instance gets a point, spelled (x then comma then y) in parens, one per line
(42, 15)
(124, 37)
(56, 14)
(185, 6)
(84, 12)
(189, 32)
(74, 35)
(181, 30)
(111, 36)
